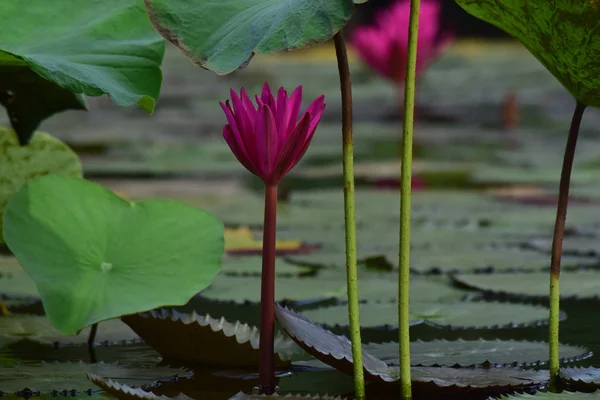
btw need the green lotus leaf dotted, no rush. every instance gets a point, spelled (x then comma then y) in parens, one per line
(450, 315)
(90, 48)
(466, 353)
(20, 164)
(195, 340)
(95, 256)
(561, 35)
(224, 36)
(48, 377)
(336, 351)
(574, 284)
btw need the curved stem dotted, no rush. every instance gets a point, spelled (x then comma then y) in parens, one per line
(266, 368)
(405, 191)
(90, 344)
(557, 241)
(349, 214)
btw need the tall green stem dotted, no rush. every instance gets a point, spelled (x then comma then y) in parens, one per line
(349, 216)
(405, 191)
(557, 241)
(266, 368)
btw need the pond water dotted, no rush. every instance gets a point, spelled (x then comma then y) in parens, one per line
(483, 213)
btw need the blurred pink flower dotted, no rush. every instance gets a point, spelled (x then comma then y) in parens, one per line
(383, 45)
(270, 139)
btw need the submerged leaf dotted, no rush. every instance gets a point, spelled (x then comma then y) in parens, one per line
(21, 164)
(95, 256)
(573, 284)
(195, 340)
(561, 35)
(451, 315)
(224, 36)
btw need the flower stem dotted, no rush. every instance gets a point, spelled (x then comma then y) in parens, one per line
(90, 344)
(349, 214)
(405, 191)
(557, 241)
(266, 370)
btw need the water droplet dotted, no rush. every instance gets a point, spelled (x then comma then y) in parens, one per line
(105, 267)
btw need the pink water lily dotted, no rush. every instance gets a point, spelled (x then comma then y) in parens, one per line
(269, 138)
(383, 45)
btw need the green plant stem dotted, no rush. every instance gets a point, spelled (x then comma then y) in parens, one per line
(266, 368)
(405, 191)
(349, 214)
(90, 343)
(557, 241)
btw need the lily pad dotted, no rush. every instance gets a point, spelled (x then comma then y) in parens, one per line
(15, 282)
(40, 329)
(561, 36)
(554, 396)
(91, 48)
(243, 241)
(467, 353)
(42, 156)
(336, 351)
(573, 284)
(224, 36)
(449, 315)
(589, 377)
(70, 377)
(252, 266)
(194, 340)
(95, 256)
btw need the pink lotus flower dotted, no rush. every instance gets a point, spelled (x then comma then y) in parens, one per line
(383, 45)
(270, 139)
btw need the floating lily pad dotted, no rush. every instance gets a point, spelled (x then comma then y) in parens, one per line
(243, 241)
(15, 282)
(336, 351)
(237, 30)
(466, 353)
(581, 376)
(573, 284)
(194, 340)
(576, 245)
(42, 156)
(40, 329)
(252, 266)
(88, 48)
(95, 256)
(450, 315)
(554, 396)
(559, 35)
(70, 377)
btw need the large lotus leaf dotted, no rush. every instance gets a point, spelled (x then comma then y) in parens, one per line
(95, 256)
(68, 377)
(195, 340)
(581, 376)
(554, 396)
(336, 351)
(465, 353)
(15, 282)
(39, 329)
(223, 36)
(562, 35)
(451, 315)
(42, 156)
(92, 48)
(573, 284)
(29, 99)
